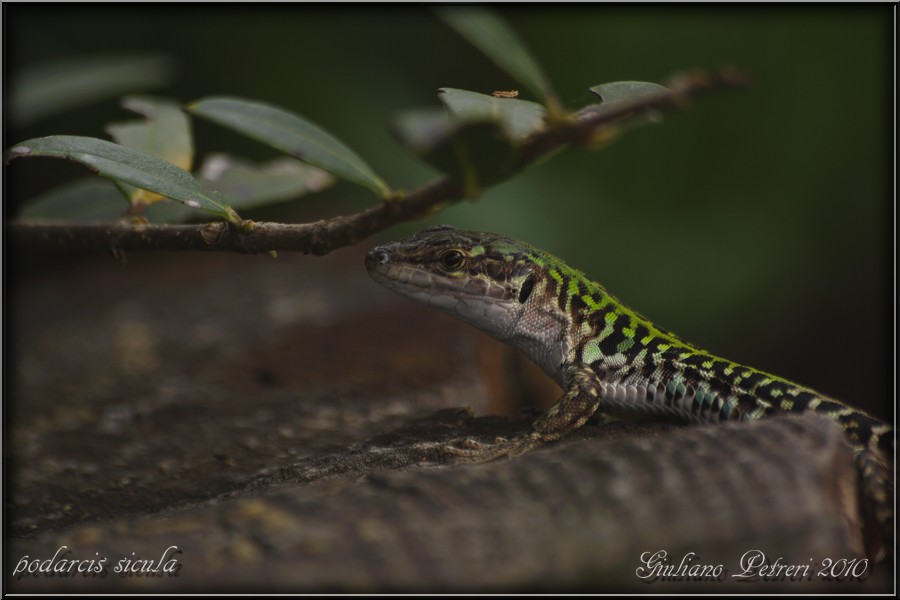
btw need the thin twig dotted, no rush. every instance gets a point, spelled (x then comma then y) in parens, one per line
(324, 236)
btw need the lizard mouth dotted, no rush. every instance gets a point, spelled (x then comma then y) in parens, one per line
(471, 298)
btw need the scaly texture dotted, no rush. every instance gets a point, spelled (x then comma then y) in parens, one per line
(607, 357)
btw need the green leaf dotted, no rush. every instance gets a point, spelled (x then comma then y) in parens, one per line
(165, 134)
(519, 118)
(86, 200)
(248, 185)
(489, 33)
(615, 94)
(169, 211)
(129, 166)
(43, 90)
(628, 91)
(421, 130)
(473, 153)
(290, 133)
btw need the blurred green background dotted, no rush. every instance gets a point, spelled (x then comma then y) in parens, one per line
(756, 223)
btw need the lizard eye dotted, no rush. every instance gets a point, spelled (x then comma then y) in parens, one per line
(452, 260)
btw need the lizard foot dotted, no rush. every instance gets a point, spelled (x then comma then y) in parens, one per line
(473, 451)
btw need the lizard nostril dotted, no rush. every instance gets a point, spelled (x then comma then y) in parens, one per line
(376, 257)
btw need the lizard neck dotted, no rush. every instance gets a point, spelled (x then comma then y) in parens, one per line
(571, 320)
(544, 332)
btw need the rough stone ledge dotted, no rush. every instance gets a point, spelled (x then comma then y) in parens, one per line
(394, 514)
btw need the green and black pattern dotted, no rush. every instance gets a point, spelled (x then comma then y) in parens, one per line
(607, 357)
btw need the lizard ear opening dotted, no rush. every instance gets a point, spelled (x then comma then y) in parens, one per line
(525, 290)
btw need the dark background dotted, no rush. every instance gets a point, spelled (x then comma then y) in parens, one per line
(756, 223)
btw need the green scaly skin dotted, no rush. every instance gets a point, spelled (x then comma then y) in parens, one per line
(604, 355)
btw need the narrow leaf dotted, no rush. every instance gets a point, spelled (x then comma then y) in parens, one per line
(613, 95)
(489, 33)
(423, 129)
(519, 118)
(290, 133)
(169, 211)
(43, 90)
(86, 200)
(248, 185)
(618, 94)
(165, 134)
(126, 165)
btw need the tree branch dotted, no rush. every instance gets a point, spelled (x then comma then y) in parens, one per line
(589, 120)
(324, 236)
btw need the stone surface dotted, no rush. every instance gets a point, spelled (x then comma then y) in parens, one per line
(280, 423)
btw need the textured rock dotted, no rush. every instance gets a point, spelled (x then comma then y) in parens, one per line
(280, 423)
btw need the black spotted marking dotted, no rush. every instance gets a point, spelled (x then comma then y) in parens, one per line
(526, 289)
(802, 400)
(578, 304)
(561, 297)
(747, 404)
(718, 370)
(762, 385)
(627, 371)
(859, 428)
(609, 346)
(750, 381)
(697, 360)
(775, 391)
(640, 332)
(653, 345)
(491, 265)
(825, 405)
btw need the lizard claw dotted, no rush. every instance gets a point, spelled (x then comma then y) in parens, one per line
(473, 451)
(470, 444)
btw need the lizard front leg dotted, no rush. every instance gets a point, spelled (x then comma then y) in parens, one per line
(571, 411)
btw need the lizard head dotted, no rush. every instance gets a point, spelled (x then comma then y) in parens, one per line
(482, 278)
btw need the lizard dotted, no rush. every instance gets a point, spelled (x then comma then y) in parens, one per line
(606, 357)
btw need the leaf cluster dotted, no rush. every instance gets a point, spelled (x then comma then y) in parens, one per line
(474, 139)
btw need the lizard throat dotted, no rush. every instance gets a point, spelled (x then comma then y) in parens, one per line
(533, 325)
